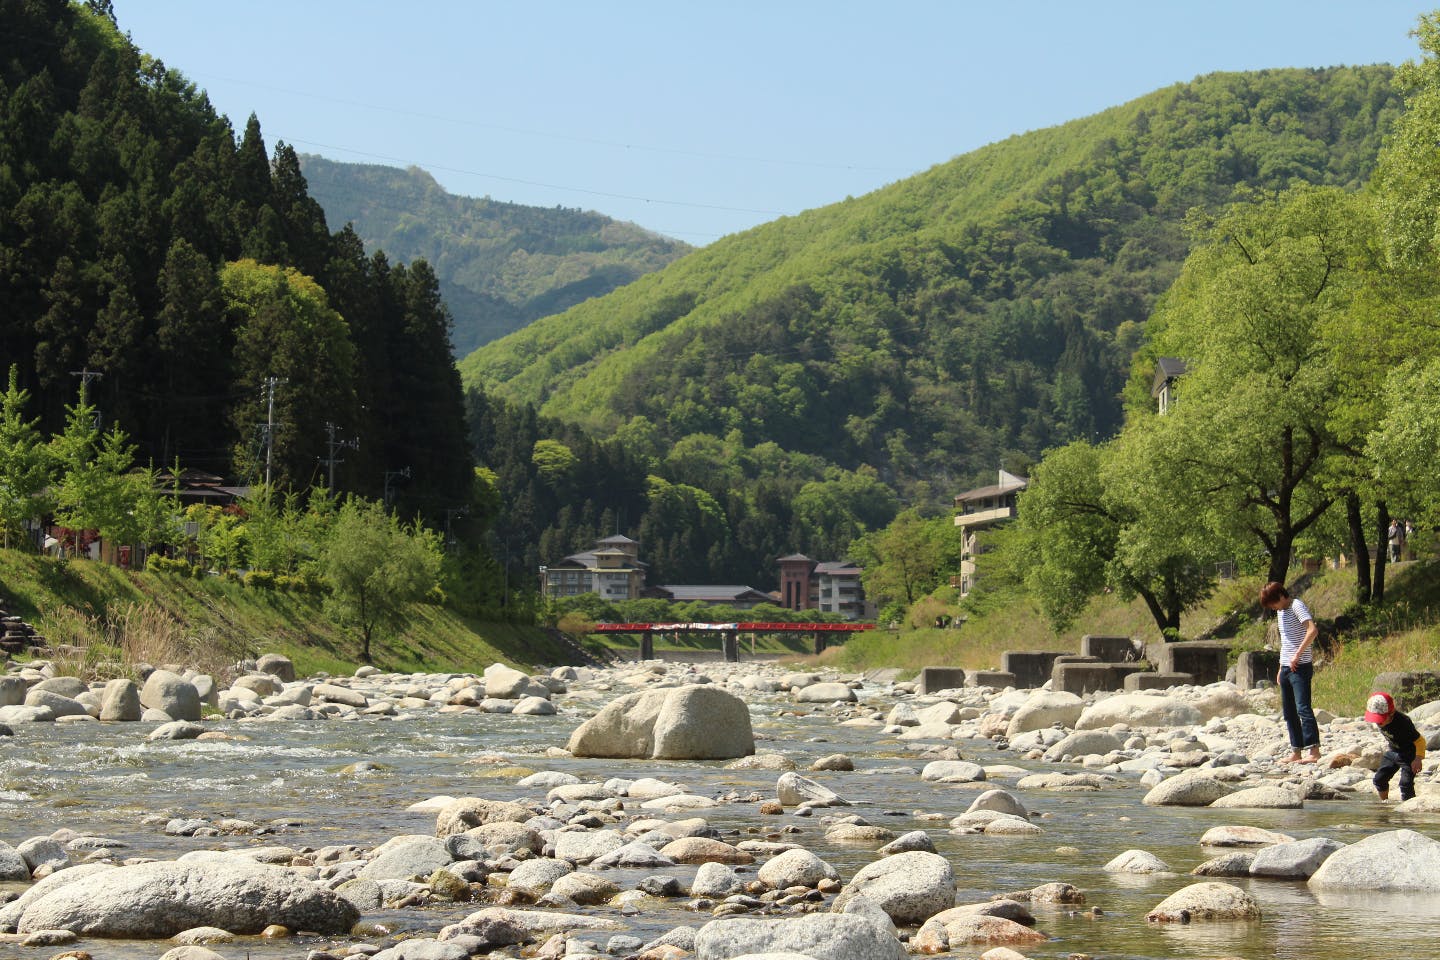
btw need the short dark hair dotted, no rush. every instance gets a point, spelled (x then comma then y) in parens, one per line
(1273, 592)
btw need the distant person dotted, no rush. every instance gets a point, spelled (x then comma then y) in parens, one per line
(1407, 746)
(1297, 648)
(1396, 536)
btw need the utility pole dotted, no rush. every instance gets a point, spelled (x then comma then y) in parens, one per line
(333, 446)
(86, 375)
(403, 474)
(270, 384)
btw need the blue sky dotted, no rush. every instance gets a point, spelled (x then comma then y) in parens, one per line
(698, 120)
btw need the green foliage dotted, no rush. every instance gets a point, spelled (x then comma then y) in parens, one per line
(907, 560)
(24, 462)
(376, 568)
(929, 329)
(500, 265)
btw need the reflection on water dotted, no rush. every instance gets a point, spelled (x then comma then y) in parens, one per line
(107, 780)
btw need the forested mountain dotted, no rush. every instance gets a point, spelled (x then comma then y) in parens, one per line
(917, 338)
(141, 239)
(987, 306)
(501, 265)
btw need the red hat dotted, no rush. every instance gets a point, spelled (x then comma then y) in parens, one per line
(1379, 708)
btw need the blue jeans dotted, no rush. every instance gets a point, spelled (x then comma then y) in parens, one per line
(1295, 705)
(1393, 764)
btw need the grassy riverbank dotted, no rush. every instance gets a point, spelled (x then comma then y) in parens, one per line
(113, 616)
(1403, 634)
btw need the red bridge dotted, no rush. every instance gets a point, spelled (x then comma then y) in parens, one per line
(729, 633)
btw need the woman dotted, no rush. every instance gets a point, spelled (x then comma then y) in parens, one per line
(1297, 646)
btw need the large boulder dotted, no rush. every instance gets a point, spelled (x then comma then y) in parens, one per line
(910, 887)
(1187, 790)
(825, 693)
(1083, 743)
(1394, 860)
(1210, 900)
(796, 868)
(693, 722)
(12, 864)
(171, 693)
(469, 812)
(818, 935)
(58, 704)
(1293, 861)
(1138, 710)
(793, 790)
(506, 683)
(407, 858)
(157, 900)
(279, 667)
(120, 701)
(1045, 709)
(1264, 797)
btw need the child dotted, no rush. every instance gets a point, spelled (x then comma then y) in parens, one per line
(1407, 746)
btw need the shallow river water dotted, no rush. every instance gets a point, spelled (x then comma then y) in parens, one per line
(105, 780)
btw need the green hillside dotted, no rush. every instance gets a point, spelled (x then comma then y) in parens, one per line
(501, 265)
(985, 309)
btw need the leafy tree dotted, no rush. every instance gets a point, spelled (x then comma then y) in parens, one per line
(908, 559)
(1094, 520)
(376, 568)
(24, 461)
(1251, 443)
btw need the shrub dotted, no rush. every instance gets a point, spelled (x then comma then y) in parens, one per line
(260, 579)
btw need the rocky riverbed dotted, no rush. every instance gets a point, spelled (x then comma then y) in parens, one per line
(448, 816)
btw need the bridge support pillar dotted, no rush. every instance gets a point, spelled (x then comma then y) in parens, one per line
(647, 645)
(730, 642)
(819, 642)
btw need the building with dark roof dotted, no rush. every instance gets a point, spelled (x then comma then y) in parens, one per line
(1168, 370)
(740, 597)
(613, 569)
(977, 509)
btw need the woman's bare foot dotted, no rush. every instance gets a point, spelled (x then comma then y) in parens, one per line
(1312, 757)
(1293, 758)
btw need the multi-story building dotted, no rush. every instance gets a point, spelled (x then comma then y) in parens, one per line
(832, 587)
(613, 569)
(977, 509)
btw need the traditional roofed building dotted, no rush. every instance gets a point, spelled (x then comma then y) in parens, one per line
(740, 597)
(1168, 370)
(613, 569)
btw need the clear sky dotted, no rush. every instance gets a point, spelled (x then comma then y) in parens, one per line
(701, 119)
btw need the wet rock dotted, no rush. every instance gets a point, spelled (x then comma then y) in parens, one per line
(1083, 743)
(1394, 860)
(796, 868)
(952, 771)
(1260, 798)
(469, 812)
(121, 701)
(191, 952)
(58, 705)
(999, 801)
(908, 842)
(762, 761)
(173, 694)
(859, 833)
(407, 857)
(704, 850)
(176, 730)
(820, 936)
(910, 887)
(716, 880)
(1187, 790)
(1065, 782)
(634, 854)
(1294, 861)
(12, 864)
(693, 722)
(160, 899)
(793, 789)
(502, 926)
(1236, 864)
(952, 930)
(583, 846)
(836, 761)
(584, 888)
(825, 693)
(331, 693)
(1242, 836)
(203, 935)
(1210, 900)
(1137, 861)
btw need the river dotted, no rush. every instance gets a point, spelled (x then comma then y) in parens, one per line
(107, 780)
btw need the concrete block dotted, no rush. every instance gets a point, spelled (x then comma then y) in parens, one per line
(1205, 660)
(1109, 649)
(1254, 666)
(1031, 667)
(991, 678)
(1083, 678)
(932, 679)
(1150, 680)
(1410, 688)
